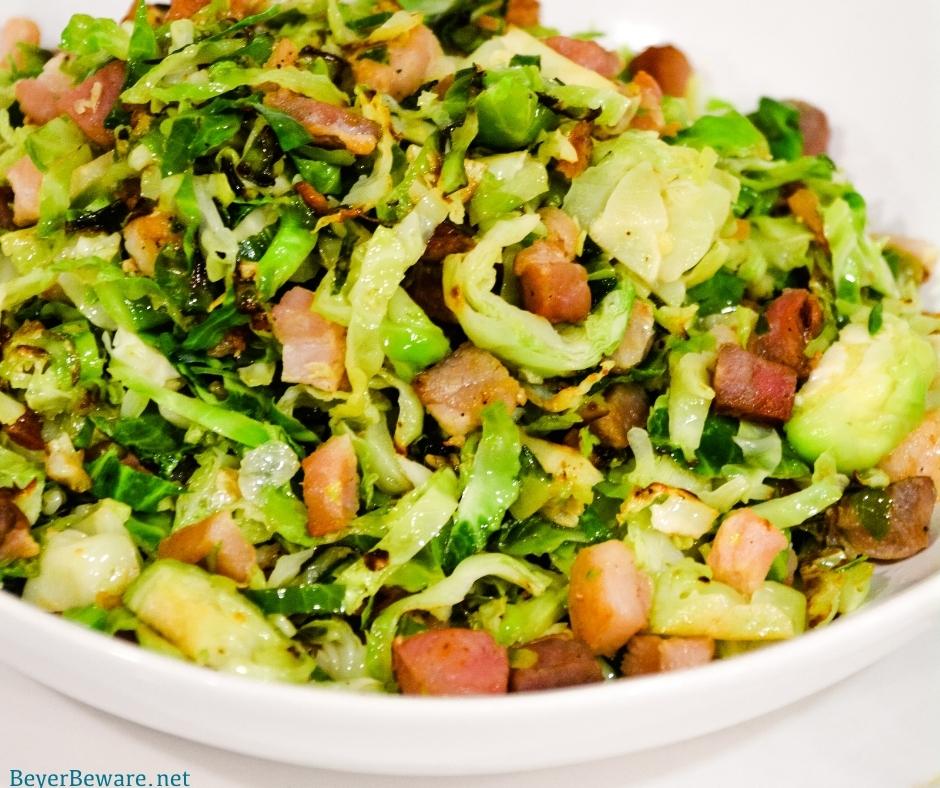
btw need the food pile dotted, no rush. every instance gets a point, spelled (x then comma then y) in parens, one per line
(420, 348)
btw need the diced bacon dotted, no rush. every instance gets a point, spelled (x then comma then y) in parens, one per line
(523, 13)
(582, 140)
(90, 102)
(26, 431)
(637, 339)
(314, 348)
(450, 662)
(424, 284)
(456, 390)
(184, 9)
(558, 292)
(654, 654)
(329, 125)
(553, 662)
(26, 181)
(217, 538)
(608, 597)
(649, 116)
(40, 97)
(411, 59)
(18, 543)
(743, 550)
(16, 31)
(901, 513)
(589, 54)
(627, 407)
(447, 239)
(563, 231)
(814, 125)
(918, 454)
(750, 387)
(793, 319)
(804, 205)
(284, 54)
(331, 486)
(146, 236)
(667, 65)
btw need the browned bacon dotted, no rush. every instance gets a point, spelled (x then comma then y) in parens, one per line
(793, 319)
(450, 662)
(329, 125)
(750, 387)
(654, 654)
(552, 662)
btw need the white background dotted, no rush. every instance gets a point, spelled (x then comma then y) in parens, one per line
(880, 728)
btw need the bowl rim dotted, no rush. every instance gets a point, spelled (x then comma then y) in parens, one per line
(909, 604)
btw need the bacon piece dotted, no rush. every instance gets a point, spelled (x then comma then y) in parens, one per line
(40, 97)
(239, 9)
(608, 597)
(589, 54)
(331, 486)
(424, 285)
(314, 348)
(523, 13)
(90, 102)
(218, 537)
(146, 236)
(743, 550)
(918, 454)
(456, 390)
(897, 519)
(410, 62)
(563, 231)
(804, 205)
(637, 339)
(793, 319)
(26, 181)
(553, 662)
(329, 125)
(450, 662)
(650, 116)
(582, 140)
(17, 31)
(184, 9)
(558, 292)
(667, 65)
(814, 126)
(627, 407)
(15, 538)
(27, 431)
(654, 654)
(447, 239)
(750, 387)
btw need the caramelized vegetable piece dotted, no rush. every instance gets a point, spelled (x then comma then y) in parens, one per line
(608, 597)
(450, 662)
(743, 550)
(627, 407)
(216, 538)
(331, 486)
(886, 524)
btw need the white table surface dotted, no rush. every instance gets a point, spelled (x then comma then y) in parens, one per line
(878, 729)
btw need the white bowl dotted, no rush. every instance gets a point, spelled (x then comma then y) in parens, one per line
(870, 68)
